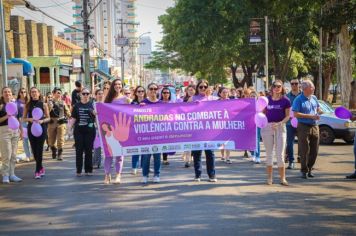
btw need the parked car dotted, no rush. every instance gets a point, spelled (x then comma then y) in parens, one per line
(331, 127)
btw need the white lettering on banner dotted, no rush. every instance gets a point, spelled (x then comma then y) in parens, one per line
(204, 115)
(190, 125)
(222, 124)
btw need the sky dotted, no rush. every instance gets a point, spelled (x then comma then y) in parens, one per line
(147, 14)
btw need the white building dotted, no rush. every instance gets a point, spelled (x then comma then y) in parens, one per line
(105, 23)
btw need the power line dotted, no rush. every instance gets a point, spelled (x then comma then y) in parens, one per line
(34, 8)
(50, 6)
(64, 10)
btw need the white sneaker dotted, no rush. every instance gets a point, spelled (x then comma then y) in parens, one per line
(213, 179)
(134, 171)
(14, 178)
(117, 179)
(156, 179)
(5, 179)
(197, 179)
(144, 180)
(27, 159)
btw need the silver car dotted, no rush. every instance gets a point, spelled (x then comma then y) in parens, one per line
(331, 127)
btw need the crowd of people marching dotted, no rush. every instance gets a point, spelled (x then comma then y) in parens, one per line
(65, 116)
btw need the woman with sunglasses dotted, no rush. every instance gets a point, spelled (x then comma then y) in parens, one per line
(83, 116)
(274, 135)
(152, 90)
(37, 142)
(139, 96)
(22, 99)
(166, 97)
(8, 140)
(201, 95)
(115, 96)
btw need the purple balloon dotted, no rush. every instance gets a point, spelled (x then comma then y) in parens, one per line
(294, 122)
(343, 113)
(36, 129)
(13, 123)
(11, 108)
(37, 114)
(261, 120)
(261, 103)
(291, 114)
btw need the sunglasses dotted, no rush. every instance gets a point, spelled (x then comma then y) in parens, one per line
(294, 83)
(277, 86)
(166, 93)
(85, 94)
(140, 91)
(153, 89)
(203, 87)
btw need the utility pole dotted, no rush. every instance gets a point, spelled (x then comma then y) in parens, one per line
(3, 45)
(122, 42)
(86, 32)
(266, 50)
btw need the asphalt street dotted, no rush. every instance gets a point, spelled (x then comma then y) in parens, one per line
(240, 203)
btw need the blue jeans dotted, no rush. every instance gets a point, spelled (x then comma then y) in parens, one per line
(146, 164)
(25, 142)
(291, 132)
(135, 161)
(210, 163)
(256, 153)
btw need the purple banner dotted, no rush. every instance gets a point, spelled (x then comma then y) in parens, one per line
(176, 127)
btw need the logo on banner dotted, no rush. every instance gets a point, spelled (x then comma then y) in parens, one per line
(154, 149)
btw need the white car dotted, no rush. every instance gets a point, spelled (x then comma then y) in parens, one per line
(331, 127)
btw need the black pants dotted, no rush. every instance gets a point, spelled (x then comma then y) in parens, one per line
(165, 156)
(84, 141)
(37, 144)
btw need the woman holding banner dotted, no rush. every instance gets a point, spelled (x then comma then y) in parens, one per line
(223, 94)
(8, 140)
(189, 92)
(166, 97)
(274, 135)
(99, 97)
(115, 96)
(151, 99)
(37, 142)
(139, 96)
(201, 95)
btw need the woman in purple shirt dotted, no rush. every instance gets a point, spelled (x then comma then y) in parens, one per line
(115, 95)
(201, 95)
(274, 134)
(152, 98)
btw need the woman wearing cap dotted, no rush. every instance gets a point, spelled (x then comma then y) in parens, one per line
(274, 135)
(59, 114)
(115, 95)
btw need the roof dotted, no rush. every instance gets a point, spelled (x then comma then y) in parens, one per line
(44, 61)
(64, 45)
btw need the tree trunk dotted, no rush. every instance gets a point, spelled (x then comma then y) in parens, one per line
(345, 64)
(353, 95)
(328, 73)
(234, 78)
